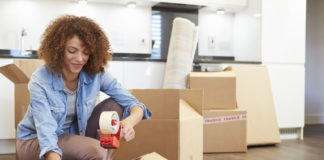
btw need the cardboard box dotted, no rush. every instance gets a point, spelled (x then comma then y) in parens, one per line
(151, 156)
(254, 95)
(219, 88)
(224, 131)
(19, 73)
(176, 129)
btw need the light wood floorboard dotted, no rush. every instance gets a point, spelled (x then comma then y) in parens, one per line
(311, 148)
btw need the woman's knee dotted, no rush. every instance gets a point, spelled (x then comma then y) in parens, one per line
(28, 149)
(109, 104)
(91, 152)
(80, 147)
(96, 153)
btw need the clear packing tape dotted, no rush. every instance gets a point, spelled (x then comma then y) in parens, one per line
(183, 43)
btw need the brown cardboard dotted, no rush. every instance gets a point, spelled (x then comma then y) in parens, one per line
(175, 130)
(227, 133)
(151, 156)
(254, 94)
(219, 88)
(19, 73)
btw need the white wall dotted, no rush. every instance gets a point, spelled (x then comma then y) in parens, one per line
(220, 27)
(314, 100)
(247, 33)
(125, 27)
(236, 34)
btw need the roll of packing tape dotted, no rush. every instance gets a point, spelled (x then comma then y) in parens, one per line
(109, 122)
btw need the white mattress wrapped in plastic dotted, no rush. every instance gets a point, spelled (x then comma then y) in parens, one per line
(182, 47)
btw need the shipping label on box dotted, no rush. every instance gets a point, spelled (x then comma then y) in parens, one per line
(225, 131)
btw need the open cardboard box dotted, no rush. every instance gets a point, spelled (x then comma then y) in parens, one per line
(219, 88)
(19, 73)
(175, 130)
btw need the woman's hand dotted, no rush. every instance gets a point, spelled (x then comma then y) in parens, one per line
(52, 156)
(127, 132)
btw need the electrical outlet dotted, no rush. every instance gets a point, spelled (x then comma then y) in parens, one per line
(142, 41)
(211, 41)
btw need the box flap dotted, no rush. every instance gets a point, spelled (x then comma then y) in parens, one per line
(194, 97)
(22, 100)
(21, 69)
(187, 112)
(151, 156)
(28, 66)
(254, 94)
(191, 138)
(163, 103)
(14, 73)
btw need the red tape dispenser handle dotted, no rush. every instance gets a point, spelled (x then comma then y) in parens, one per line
(110, 130)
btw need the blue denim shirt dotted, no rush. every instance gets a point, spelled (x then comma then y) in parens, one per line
(47, 109)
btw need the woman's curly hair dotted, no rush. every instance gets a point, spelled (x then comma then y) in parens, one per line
(65, 27)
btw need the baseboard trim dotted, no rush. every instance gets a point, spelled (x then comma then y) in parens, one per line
(291, 133)
(314, 119)
(7, 146)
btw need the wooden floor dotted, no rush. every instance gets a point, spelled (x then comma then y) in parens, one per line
(311, 148)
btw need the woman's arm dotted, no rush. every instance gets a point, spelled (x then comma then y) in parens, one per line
(52, 156)
(128, 123)
(45, 124)
(134, 110)
(115, 90)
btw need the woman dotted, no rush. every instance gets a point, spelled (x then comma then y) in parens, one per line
(62, 120)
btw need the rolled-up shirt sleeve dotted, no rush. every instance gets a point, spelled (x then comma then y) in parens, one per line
(115, 90)
(45, 124)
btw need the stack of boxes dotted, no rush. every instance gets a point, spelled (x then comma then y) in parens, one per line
(225, 126)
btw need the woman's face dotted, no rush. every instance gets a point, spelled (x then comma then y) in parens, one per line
(76, 55)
